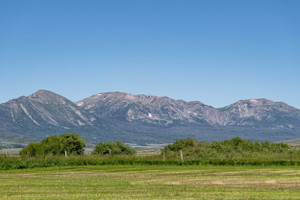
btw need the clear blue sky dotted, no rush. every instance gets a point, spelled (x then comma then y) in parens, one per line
(216, 52)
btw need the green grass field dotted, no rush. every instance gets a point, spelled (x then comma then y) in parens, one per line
(152, 182)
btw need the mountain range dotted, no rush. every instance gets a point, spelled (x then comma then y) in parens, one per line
(145, 119)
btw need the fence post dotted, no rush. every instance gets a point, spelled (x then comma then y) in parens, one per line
(66, 154)
(181, 155)
(164, 156)
(110, 153)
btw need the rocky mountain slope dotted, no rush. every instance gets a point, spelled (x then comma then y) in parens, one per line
(149, 109)
(165, 111)
(42, 112)
(262, 113)
(146, 118)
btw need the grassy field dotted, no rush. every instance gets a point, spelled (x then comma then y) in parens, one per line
(152, 182)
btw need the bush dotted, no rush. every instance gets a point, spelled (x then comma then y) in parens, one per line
(33, 149)
(73, 143)
(54, 145)
(116, 148)
(230, 148)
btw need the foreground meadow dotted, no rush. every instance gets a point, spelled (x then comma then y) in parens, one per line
(152, 182)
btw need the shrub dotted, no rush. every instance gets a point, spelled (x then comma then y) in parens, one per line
(54, 145)
(116, 148)
(33, 149)
(73, 143)
(230, 148)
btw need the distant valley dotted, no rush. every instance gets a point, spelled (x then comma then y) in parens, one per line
(144, 119)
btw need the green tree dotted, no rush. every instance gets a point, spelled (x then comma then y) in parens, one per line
(72, 143)
(54, 145)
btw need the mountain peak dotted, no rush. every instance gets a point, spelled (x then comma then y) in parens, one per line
(46, 96)
(43, 92)
(254, 102)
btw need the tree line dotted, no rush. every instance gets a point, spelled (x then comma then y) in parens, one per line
(227, 149)
(73, 144)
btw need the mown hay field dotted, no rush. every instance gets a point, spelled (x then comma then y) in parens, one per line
(152, 182)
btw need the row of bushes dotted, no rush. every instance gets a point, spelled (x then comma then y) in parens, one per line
(49, 152)
(228, 148)
(7, 163)
(72, 144)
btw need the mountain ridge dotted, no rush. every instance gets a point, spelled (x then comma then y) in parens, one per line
(213, 115)
(146, 118)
